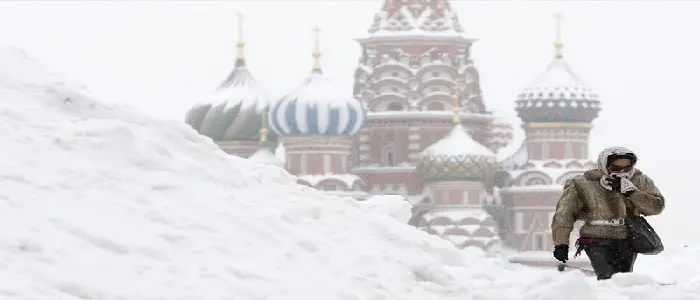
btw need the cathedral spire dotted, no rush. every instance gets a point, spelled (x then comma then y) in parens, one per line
(558, 44)
(240, 45)
(316, 54)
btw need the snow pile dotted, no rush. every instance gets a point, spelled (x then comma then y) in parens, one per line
(102, 203)
(675, 264)
(394, 206)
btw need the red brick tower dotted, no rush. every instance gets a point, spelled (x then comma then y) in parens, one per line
(415, 51)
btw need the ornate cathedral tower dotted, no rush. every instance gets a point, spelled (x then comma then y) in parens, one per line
(415, 52)
(317, 124)
(557, 110)
(454, 194)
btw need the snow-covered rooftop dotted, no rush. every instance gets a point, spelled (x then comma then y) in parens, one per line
(317, 107)
(457, 143)
(234, 110)
(558, 82)
(104, 203)
(348, 179)
(416, 18)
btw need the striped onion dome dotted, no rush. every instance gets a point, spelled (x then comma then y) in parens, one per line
(317, 108)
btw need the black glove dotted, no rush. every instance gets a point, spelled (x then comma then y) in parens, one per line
(614, 182)
(561, 252)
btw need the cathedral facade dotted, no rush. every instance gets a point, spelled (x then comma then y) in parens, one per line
(417, 125)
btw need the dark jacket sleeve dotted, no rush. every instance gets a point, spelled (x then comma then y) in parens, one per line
(568, 208)
(647, 199)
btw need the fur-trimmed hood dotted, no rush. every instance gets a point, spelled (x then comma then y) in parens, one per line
(606, 153)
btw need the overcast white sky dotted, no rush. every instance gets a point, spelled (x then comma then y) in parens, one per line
(163, 56)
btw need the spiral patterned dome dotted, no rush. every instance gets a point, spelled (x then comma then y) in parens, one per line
(235, 111)
(456, 157)
(317, 108)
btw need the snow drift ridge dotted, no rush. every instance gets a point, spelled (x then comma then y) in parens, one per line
(105, 203)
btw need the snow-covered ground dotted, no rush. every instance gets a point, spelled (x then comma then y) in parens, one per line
(103, 203)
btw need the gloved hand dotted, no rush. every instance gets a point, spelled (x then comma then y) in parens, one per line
(561, 252)
(621, 184)
(615, 182)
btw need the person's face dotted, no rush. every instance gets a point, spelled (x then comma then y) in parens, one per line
(620, 165)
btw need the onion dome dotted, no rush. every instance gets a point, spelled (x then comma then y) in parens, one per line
(558, 95)
(457, 156)
(317, 108)
(234, 111)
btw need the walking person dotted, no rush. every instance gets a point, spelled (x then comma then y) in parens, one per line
(604, 198)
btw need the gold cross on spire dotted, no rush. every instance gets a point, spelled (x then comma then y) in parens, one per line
(558, 44)
(240, 44)
(317, 48)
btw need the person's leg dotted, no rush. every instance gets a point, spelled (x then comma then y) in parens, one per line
(600, 260)
(620, 257)
(625, 258)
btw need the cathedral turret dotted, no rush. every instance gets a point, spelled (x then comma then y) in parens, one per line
(456, 156)
(317, 123)
(557, 110)
(233, 115)
(455, 169)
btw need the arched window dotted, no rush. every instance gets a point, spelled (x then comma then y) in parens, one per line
(436, 106)
(394, 107)
(535, 181)
(389, 155)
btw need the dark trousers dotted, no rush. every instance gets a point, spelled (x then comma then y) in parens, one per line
(608, 256)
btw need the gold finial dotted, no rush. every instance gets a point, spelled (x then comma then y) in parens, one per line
(455, 108)
(240, 44)
(263, 127)
(558, 44)
(317, 48)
